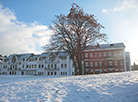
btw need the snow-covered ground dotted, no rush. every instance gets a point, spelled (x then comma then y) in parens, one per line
(112, 87)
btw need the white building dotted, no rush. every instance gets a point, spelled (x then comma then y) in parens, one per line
(128, 61)
(46, 64)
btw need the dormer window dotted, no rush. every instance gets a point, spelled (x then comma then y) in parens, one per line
(23, 59)
(13, 59)
(63, 58)
(52, 57)
(41, 58)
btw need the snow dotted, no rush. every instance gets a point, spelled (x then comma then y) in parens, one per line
(111, 87)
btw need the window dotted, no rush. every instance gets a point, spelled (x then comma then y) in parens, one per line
(105, 64)
(115, 53)
(110, 63)
(55, 66)
(91, 64)
(100, 54)
(96, 64)
(23, 66)
(121, 63)
(100, 64)
(42, 66)
(63, 58)
(51, 73)
(55, 73)
(29, 66)
(116, 63)
(41, 58)
(104, 54)
(13, 59)
(109, 53)
(86, 55)
(39, 66)
(95, 54)
(91, 55)
(65, 65)
(32, 66)
(86, 64)
(48, 73)
(35, 65)
(61, 73)
(26, 66)
(120, 53)
(61, 65)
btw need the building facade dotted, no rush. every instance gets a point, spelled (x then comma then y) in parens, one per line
(134, 67)
(103, 58)
(45, 64)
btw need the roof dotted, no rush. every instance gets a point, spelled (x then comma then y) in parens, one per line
(32, 56)
(1, 58)
(20, 56)
(59, 54)
(35, 56)
(112, 45)
(45, 54)
(63, 54)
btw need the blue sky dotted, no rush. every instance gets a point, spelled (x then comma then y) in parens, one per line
(24, 24)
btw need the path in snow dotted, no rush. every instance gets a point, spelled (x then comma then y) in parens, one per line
(112, 87)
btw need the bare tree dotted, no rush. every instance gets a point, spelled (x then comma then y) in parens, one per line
(73, 33)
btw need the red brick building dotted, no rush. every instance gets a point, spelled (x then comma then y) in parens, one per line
(105, 58)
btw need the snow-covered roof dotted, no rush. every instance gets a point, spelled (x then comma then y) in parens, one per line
(45, 54)
(20, 56)
(33, 57)
(59, 54)
(63, 54)
(112, 45)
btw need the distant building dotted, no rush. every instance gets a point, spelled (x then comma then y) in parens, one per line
(134, 67)
(128, 61)
(105, 58)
